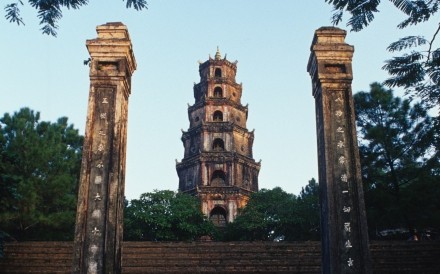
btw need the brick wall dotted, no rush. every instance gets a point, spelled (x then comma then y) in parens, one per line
(218, 257)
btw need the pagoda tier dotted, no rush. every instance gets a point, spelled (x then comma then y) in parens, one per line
(218, 165)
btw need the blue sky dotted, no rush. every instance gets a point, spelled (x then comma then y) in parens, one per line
(270, 40)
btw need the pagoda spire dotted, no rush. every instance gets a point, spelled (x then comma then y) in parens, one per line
(218, 55)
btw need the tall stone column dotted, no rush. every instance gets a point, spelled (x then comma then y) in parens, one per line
(99, 220)
(343, 219)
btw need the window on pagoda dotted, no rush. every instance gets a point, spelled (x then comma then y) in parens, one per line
(218, 145)
(218, 72)
(218, 178)
(218, 92)
(218, 116)
(218, 216)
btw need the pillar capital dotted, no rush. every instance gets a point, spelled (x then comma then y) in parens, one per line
(330, 60)
(113, 44)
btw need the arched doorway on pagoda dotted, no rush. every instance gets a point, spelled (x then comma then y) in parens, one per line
(218, 216)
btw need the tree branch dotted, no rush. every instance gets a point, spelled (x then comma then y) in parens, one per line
(432, 42)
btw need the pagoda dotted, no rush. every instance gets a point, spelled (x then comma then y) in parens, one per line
(218, 166)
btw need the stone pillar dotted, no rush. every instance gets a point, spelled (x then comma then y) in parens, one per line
(99, 220)
(343, 218)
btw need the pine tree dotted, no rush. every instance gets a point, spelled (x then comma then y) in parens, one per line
(399, 159)
(39, 171)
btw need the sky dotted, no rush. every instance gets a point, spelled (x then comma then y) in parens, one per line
(271, 43)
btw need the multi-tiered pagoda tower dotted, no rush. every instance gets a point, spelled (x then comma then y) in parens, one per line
(218, 166)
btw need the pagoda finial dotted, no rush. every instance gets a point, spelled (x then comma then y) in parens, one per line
(218, 56)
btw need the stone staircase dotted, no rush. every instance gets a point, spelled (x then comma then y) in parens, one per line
(219, 257)
(37, 257)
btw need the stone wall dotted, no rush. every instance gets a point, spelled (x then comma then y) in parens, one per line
(218, 257)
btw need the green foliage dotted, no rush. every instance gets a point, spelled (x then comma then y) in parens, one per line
(50, 12)
(400, 160)
(264, 217)
(406, 43)
(276, 215)
(165, 216)
(309, 210)
(137, 4)
(362, 11)
(417, 71)
(39, 170)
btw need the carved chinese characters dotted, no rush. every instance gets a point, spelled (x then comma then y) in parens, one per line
(342, 176)
(99, 171)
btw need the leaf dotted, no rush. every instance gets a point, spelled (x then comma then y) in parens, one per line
(429, 93)
(362, 13)
(49, 30)
(337, 17)
(49, 15)
(75, 4)
(407, 70)
(406, 6)
(407, 42)
(434, 74)
(13, 13)
(137, 4)
(417, 11)
(50, 11)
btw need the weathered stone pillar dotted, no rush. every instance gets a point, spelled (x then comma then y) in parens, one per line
(99, 220)
(343, 218)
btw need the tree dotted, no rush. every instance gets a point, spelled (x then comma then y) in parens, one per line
(165, 216)
(39, 172)
(400, 162)
(417, 71)
(277, 215)
(49, 12)
(264, 217)
(308, 203)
